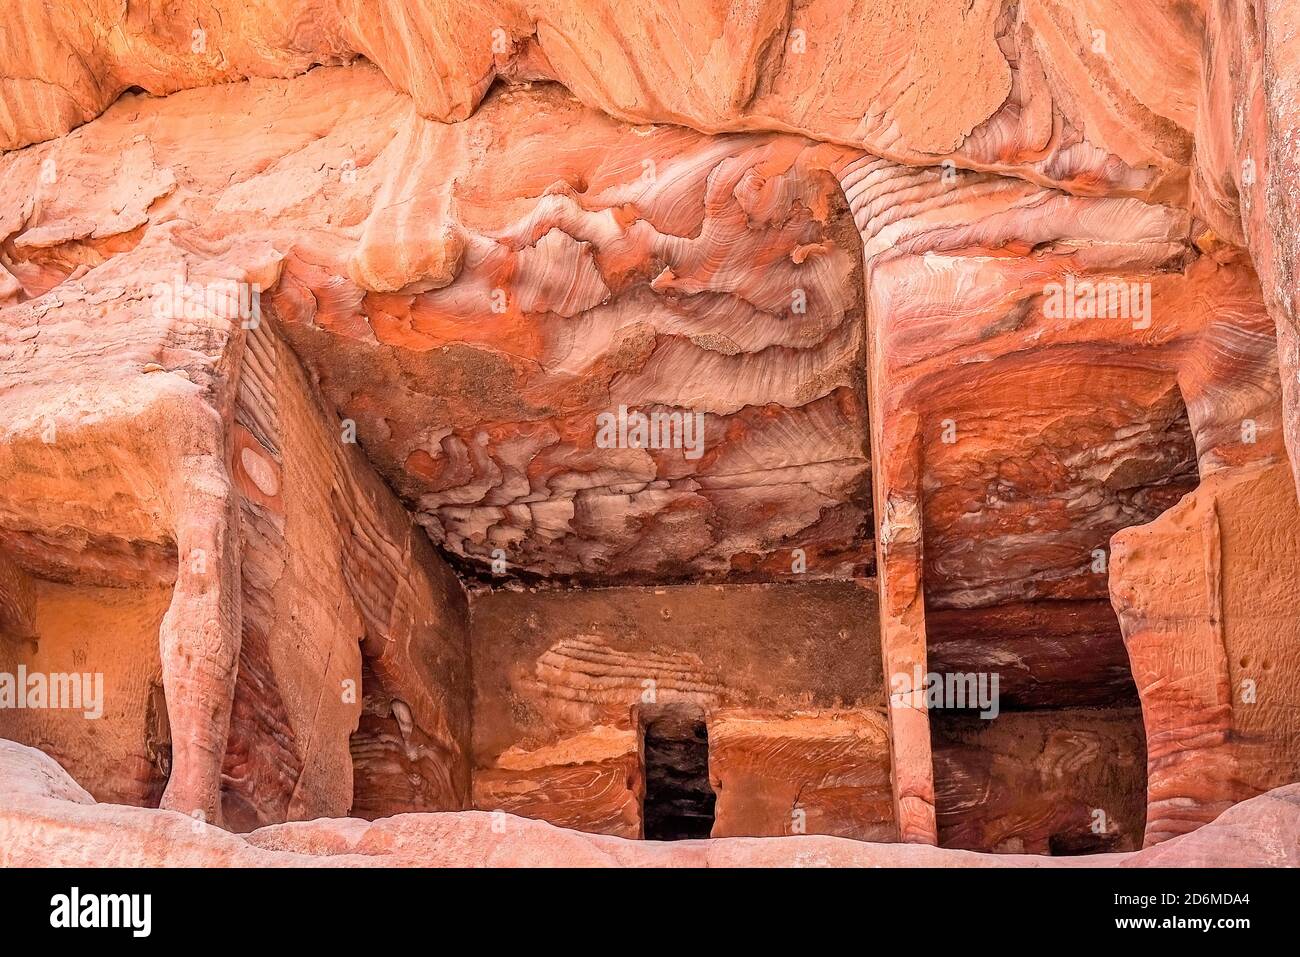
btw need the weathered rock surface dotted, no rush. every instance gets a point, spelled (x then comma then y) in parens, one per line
(1098, 101)
(567, 681)
(46, 819)
(1214, 640)
(1247, 171)
(654, 269)
(591, 781)
(188, 484)
(1060, 782)
(1019, 421)
(972, 333)
(801, 772)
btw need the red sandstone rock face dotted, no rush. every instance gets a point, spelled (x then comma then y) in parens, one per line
(1062, 782)
(1212, 655)
(1032, 78)
(986, 312)
(802, 772)
(189, 485)
(46, 819)
(655, 269)
(795, 731)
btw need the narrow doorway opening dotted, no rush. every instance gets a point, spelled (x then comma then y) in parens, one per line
(679, 801)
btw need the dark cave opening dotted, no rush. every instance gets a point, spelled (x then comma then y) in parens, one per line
(1074, 843)
(679, 801)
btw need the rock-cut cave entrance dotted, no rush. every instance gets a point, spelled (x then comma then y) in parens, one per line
(679, 801)
(1017, 587)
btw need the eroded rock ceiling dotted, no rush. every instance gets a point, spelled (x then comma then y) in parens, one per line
(536, 233)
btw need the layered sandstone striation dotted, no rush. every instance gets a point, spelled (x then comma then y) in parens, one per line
(472, 306)
(1061, 782)
(964, 337)
(186, 489)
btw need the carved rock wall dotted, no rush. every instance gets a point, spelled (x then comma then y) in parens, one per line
(272, 555)
(124, 754)
(802, 772)
(1213, 635)
(1015, 280)
(785, 678)
(1064, 782)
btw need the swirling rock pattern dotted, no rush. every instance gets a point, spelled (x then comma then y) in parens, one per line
(647, 268)
(640, 268)
(1062, 782)
(984, 315)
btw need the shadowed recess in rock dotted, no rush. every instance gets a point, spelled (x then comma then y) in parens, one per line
(678, 799)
